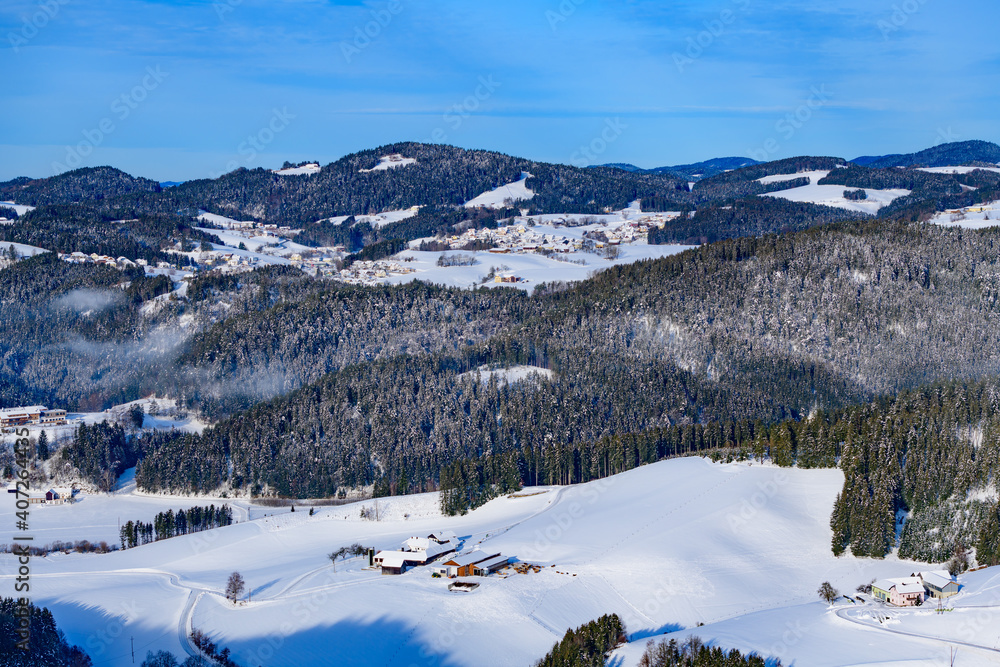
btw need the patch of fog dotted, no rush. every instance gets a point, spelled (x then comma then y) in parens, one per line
(86, 301)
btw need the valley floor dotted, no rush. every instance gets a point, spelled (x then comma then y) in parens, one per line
(739, 548)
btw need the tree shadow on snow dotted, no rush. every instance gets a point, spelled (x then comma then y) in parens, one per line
(655, 632)
(352, 642)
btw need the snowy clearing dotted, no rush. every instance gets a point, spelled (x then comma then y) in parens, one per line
(390, 162)
(304, 170)
(530, 269)
(385, 218)
(957, 170)
(832, 195)
(509, 375)
(23, 250)
(665, 546)
(498, 198)
(20, 208)
(813, 176)
(222, 220)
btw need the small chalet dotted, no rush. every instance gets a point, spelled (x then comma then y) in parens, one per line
(905, 592)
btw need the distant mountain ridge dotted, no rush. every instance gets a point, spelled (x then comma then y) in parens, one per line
(691, 172)
(945, 155)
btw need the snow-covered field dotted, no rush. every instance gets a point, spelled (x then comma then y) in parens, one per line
(387, 217)
(20, 208)
(498, 198)
(532, 269)
(740, 548)
(957, 170)
(22, 249)
(832, 195)
(216, 219)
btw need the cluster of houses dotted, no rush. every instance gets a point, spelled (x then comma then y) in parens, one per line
(915, 589)
(94, 258)
(418, 551)
(227, 262)
(368, 272)
(522, 237)
(31, 415)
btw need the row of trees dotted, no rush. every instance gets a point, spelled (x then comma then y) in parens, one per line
(167, 524)
(693, 652)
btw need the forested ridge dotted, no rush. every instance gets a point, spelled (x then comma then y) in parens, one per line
(742, 347)
(715, 349)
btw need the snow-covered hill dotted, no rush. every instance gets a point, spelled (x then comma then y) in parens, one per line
(832, 195)
(741, 548)
(504, 195)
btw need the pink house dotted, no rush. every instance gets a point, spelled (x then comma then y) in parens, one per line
(906, 592)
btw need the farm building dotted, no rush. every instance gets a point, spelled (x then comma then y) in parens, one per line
(938, 584)
(35, 414)
(416, 551)
(488, 567)
(472, 563)
(905, 592)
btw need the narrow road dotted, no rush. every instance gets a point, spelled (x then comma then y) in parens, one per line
(845, 614)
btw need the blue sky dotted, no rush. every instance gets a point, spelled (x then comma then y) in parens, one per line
(175, 90)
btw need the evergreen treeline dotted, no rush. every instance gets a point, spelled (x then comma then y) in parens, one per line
(101, 452)
(694, 653)
(587, 645)
(468, 484)
(753, 216)
(47, 646)
(167, 524)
